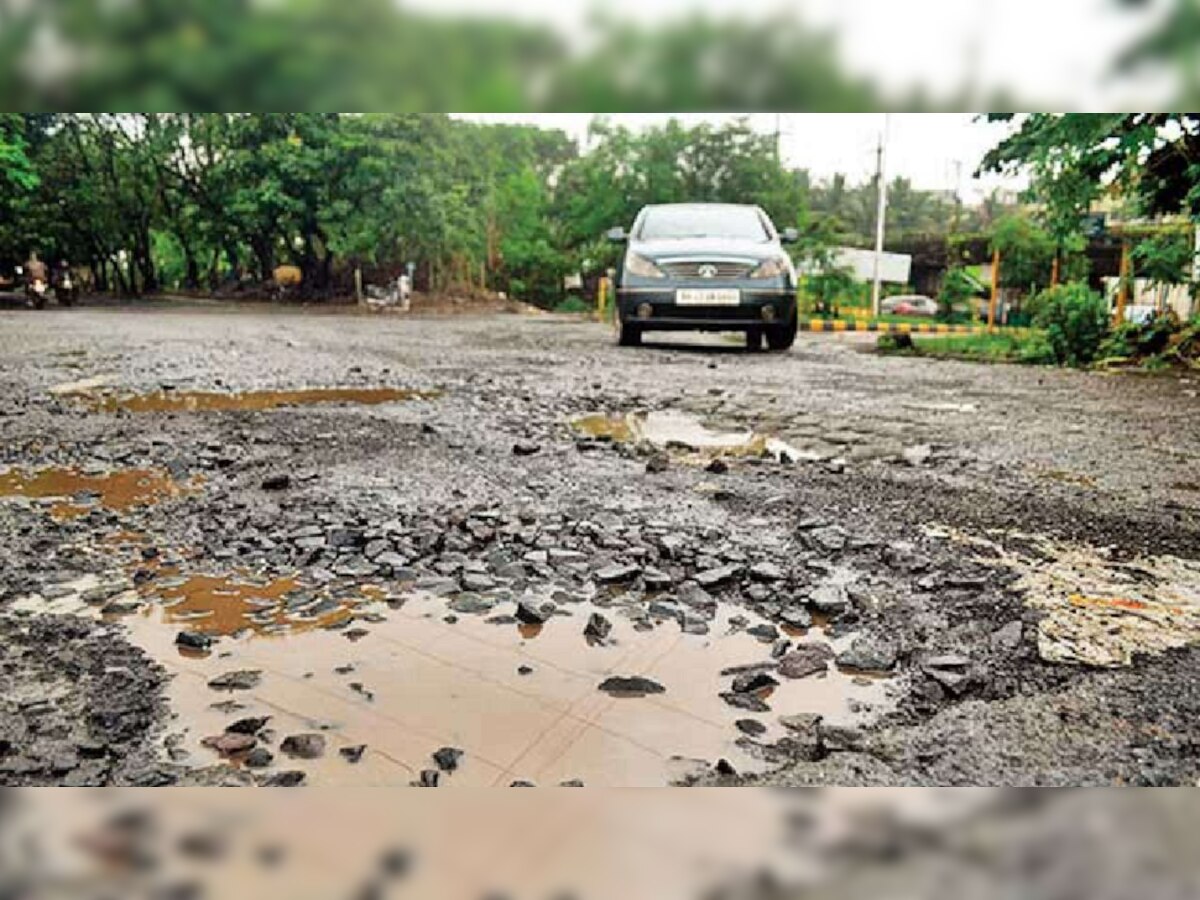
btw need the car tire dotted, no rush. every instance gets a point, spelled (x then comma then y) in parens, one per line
(628, 335)
(754, 339)
(781, 337)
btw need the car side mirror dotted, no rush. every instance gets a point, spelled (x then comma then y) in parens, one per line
(789, 236)
(617, 235)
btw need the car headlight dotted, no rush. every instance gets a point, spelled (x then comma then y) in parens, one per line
(642, 267)
(775, 267)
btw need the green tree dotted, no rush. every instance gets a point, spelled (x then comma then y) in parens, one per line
(1026, 252)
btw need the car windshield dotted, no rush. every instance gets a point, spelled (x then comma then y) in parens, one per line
(677, 222)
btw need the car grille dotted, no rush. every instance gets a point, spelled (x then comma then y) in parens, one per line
(691, 269)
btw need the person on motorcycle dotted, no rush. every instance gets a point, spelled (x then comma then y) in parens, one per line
(65, 288)
(35, 269)
(36, 281)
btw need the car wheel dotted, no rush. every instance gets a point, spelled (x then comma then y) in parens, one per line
(754, 339)
(628, 335)
(781, 337)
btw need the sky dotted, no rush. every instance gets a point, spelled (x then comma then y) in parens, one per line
(937, 151)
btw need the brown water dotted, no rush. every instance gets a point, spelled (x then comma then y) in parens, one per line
(209, 401)
(672, 430)
(415, 683)
(636, 845)
(223, 605)
(118, 491)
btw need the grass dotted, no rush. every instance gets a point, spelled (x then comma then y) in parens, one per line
(1024, 346)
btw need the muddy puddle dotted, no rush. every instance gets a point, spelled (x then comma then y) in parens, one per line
(399, 674)
(216, 401)
(683, 433)
(1099, 609)
(72, 493)
(636, 845)
(220, 605)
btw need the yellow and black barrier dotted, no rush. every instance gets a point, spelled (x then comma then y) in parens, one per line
(889, 327)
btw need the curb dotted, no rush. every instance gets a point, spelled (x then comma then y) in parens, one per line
(889, 327)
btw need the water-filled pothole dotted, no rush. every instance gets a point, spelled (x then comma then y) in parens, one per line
(404, 675)
(75, 493)
(208, 401)
(685, 434)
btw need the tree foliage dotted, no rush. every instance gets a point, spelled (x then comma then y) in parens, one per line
(1153, 159)
(208, 200)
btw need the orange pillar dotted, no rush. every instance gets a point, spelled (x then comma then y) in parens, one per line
(1122, 285)
(995, 289)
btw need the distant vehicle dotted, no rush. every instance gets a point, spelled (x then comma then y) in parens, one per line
(706, 267)
(909, 305)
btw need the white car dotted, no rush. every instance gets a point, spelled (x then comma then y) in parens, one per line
(909, 305)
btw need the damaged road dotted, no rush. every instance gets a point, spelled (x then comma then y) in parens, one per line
(268, 547)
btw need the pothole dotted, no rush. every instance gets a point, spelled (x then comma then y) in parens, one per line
(1100, 610)
(386, 677)
(72, 493)
(216, 401)
(684, 434)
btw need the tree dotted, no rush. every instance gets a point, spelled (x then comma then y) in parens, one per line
(1153, 159)
(1026, 252)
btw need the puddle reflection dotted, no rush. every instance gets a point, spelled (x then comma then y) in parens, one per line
(520, 708)
(672, 430)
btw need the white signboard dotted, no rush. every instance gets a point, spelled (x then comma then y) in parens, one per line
(893, 267)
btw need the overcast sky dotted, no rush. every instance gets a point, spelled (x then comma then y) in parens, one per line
(934, 150)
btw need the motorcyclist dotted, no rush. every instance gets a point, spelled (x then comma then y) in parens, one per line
(35, 272)
(35, 269)
(65, 287)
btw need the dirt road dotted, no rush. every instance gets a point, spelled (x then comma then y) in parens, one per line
(504, 550)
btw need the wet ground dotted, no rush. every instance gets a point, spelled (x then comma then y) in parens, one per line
(347, 549)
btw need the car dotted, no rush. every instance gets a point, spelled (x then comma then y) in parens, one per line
(909, 305)
(706, 267)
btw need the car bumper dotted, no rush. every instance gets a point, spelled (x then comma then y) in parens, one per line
(657, 310)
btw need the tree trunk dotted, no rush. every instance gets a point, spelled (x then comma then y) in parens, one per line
(99, 274)
(191, 277)
(264, 254)
(234, 259)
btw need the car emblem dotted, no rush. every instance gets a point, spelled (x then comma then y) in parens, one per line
(707, 271)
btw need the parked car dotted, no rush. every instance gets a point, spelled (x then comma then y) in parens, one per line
(706, 267)
(909, 305)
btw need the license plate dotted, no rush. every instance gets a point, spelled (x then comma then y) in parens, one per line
(708, 297)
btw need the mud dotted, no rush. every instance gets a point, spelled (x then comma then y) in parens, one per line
(423, 575)
(213, 401)
(74, 493)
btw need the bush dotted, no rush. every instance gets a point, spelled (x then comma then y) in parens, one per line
(959, 289)
(573, 305)
(894, 343)
(1075, 321)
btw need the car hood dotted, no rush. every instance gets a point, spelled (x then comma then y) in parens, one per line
(706, 248)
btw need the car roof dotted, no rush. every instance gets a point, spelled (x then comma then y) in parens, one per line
(699, 205)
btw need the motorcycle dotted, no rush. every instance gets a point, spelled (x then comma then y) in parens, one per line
(37, 292)
(66, 291)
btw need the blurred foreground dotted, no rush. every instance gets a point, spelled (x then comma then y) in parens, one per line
(811, 55)
(843, 843)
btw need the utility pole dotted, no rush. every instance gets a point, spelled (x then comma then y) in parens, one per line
(880, 212)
